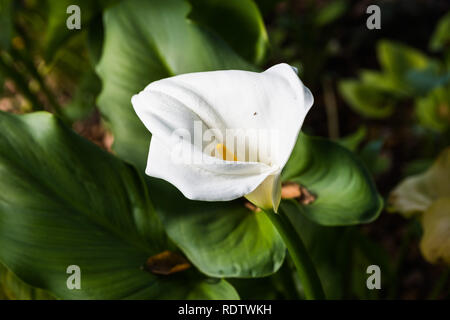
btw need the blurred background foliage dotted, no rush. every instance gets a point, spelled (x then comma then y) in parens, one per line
(382, 94)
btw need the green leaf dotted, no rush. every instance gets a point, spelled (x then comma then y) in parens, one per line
(83, 101)
(433, 110)
(331, 12)
(57, 33)
(6, 24)
(234, 17)
(94, 39)
(144, 42)
(64, 201)
(397, 60)
(223, 239)
(13, 288)
(212, 289)
(328, 247)
(441, 36)
(366, 99)
(371, 155)
(381, 82)
(424, 81)
(345, 193)
(353, 140)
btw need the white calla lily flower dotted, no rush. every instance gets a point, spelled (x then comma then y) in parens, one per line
(274, 101)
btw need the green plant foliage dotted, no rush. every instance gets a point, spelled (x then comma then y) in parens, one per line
(57, 32)
(406, 73)
(66, 202)
(397, 60)
(331, 12)
(441, 37)
(164, 43)
(223, 239)
(371, 155)
(433, 110)
(12, 288)
(231, 18)
(353, 140)
(327, 246)
(344, 190)
(366, 99)
(83, 101)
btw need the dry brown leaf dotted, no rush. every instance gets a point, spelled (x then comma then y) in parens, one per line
(166, 262)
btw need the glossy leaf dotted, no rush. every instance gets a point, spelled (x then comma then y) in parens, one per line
(344, 190)
(327, 246)
(164, 43)
(223, 239)
(66, 202)
(231, 18)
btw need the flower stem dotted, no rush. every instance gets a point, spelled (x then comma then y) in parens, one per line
(303, 263)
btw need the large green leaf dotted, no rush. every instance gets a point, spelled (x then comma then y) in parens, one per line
(64, 201)
(345, 193)
(238, 22)
(327, 246)
(144, 42)
(220, 238)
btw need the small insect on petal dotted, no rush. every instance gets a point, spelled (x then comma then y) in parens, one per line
(166, 262)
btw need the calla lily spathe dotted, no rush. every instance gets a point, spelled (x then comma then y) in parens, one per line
(275, 100)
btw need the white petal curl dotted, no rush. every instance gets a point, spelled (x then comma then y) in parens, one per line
(274, 100)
